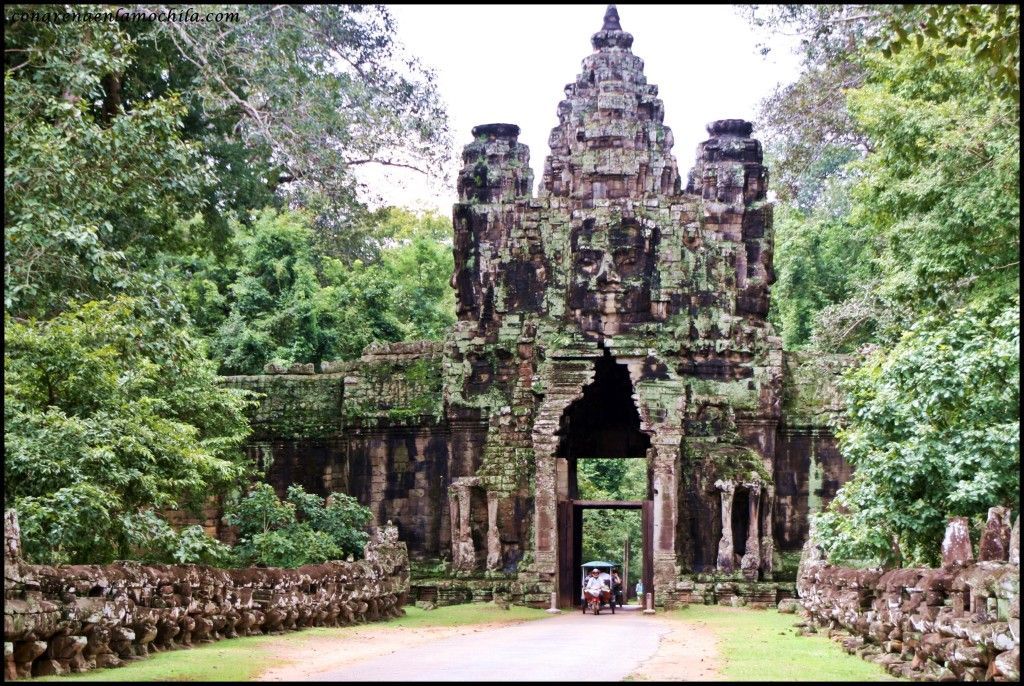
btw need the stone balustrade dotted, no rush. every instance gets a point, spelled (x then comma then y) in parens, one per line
(72, 618)
(958, 622)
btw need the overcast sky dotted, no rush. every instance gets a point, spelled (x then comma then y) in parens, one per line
(510, 63)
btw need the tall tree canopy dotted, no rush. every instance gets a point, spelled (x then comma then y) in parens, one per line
(181, 191)
(898, 235)
(117, 131)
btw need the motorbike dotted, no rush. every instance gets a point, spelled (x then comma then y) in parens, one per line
(593, 601)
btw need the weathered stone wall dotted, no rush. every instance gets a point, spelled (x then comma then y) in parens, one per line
(373, 428)
(76, 618)
(808, 468)
(958, 622)
(296, 406)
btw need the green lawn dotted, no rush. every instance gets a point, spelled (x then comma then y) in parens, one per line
(242, 659)
(762, 645)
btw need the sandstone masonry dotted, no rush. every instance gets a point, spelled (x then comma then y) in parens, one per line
(79, 617)
(960, 622)
(618, 313)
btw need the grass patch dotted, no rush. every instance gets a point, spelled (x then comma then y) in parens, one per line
(242, 659)
(762, 645)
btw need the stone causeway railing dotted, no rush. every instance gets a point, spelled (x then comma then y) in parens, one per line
(73, 618)
(960, 622)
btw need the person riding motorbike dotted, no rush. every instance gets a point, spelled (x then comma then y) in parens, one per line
(594, 587)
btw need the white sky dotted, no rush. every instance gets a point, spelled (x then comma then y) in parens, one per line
(510, 63)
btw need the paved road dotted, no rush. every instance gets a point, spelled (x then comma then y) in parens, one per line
(570, 646)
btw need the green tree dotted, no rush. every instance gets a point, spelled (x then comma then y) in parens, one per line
(288, 102)
(300, 530)
(285, 302)
(419, 262)
(89, 198)
(919, 260)
(927, 150)
(934, 433)
(118, 133)
(111, 411)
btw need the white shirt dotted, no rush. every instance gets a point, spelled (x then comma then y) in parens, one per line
(594, 583)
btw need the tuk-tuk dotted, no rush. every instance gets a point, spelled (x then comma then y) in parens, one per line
(607, 597)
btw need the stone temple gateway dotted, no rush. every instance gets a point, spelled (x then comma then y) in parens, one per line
(620, 313)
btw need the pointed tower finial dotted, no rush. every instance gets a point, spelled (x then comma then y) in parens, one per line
(611, 34)
(611, 19)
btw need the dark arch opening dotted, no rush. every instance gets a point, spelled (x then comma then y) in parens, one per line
(740, 521)
(605, 421)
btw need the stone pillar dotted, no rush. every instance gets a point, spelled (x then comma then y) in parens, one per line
(566, 381)
(665, 456)
(752, 556)
(463, 552)
(545, 501)
(995, 539)
(493, 538)
(956, 545)
(725, 547)
(767, 535)
(453, 517)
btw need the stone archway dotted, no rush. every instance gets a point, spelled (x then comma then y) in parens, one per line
(591, 411)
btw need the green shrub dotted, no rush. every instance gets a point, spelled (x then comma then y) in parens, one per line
(303, 529)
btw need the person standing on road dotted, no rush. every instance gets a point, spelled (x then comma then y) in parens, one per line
(640, 591)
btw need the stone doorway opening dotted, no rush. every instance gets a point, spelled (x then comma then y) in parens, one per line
(601, 444)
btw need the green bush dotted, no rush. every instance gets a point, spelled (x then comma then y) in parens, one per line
(301, 530)
(111, 413)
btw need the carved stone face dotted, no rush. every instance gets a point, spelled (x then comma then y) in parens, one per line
(613, 269)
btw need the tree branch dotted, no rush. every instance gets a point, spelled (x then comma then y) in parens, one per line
(388, 163)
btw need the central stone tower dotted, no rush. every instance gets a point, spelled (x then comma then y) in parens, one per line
(620, 313)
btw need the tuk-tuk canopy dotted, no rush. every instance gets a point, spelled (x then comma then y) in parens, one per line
(599, 563)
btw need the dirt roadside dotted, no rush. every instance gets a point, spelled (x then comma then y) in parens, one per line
(303, 660)
(688, 652)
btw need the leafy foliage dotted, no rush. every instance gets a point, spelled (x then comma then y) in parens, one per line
(903, 170)
(289, 101)
(146, 165)
(301, 530)
(111, 411)
(89, 198)
(605, 531)
(910, 247)
(935, 433)
(942, 189)
(991, 34)
(283, 302)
